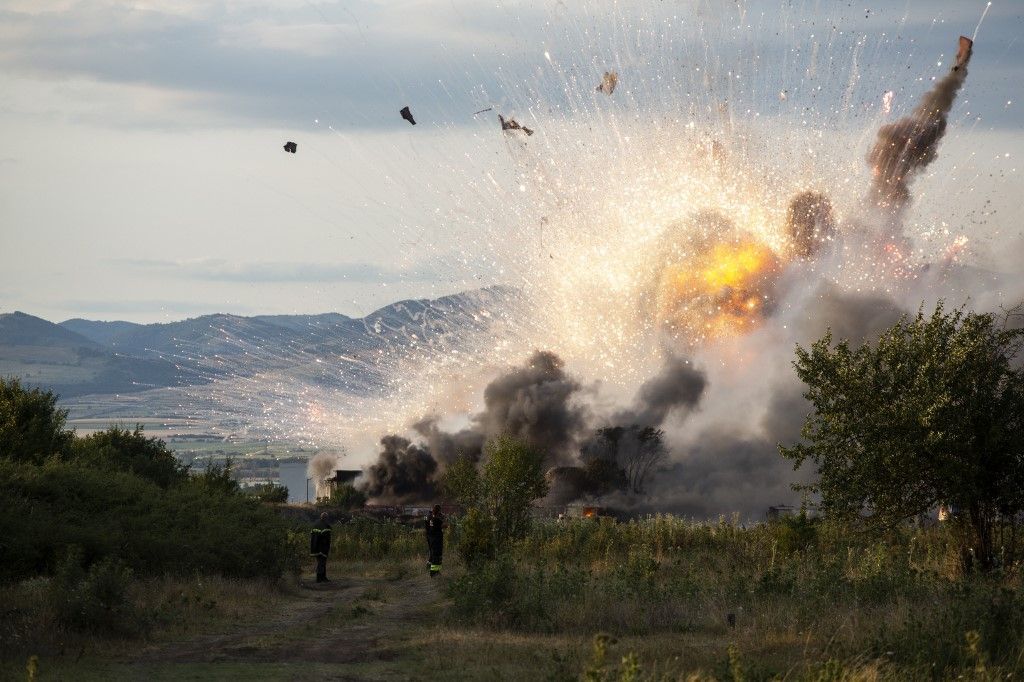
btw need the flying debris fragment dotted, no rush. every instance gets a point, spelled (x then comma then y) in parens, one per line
(963, 53)
(512, 124)
(483, 110)
(291, 147)
(608, 82)
(407, 115)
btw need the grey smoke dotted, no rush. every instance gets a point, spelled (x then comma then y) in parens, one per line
(902, 149)
(678, 387)
(404, 472)
(532, 402)
(321, 465)
(447, 447)
(722, 470)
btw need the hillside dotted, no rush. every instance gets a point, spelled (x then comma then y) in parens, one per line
(45, 354)
(80, 357)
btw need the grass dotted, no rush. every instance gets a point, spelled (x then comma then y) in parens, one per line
(646, 600)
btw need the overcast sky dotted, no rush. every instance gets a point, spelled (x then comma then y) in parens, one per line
(142, 175)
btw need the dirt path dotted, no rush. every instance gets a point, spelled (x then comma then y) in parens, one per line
(359, 620)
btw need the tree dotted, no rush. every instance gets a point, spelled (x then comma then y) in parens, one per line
(270, 493)
(132, 451)
(932, 414)
(460, 482)
(344, 496)
(633, 450)
(31, 426)
(512, 478)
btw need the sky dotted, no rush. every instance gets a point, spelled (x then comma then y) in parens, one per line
(142, 175)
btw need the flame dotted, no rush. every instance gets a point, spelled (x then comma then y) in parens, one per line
(722, 292)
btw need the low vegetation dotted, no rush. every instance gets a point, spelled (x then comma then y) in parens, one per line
(86, 521)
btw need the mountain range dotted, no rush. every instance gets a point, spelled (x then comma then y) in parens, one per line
(80, 357)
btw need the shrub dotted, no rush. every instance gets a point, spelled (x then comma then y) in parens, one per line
(191, 526)
(345, 497)
(476, 537)
(269, 493)
(124, 450)
(31, 426)
(93, 599)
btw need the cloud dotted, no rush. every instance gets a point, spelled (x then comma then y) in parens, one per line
(219, 270)
(358, 62)
(150, 306)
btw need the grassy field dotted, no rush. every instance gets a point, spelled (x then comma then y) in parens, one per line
(593, 600)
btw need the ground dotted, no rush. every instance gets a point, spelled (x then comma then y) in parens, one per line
(369, 623)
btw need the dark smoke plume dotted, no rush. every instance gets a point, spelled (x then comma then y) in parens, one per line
(404, 472)
(447, 447)
(532, 403)
(810, 223)
(621, 454)
(678, 386)
(907, 146)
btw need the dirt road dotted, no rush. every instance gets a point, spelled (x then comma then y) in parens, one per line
(365, 627)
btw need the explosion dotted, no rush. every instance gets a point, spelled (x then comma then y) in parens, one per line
(657, 266)
(723, 291)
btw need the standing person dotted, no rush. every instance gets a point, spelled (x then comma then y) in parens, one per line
(320, 547)
(435, 539)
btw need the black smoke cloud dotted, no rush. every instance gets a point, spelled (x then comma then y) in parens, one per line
(404, 472)
(810, 223)
(537, 403)
(679, 386)
(533, 402)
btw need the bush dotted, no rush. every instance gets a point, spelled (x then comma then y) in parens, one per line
(345, 497)
(96, 599)
(189, 527)
(368, 539)
(269, 493)
(31, 426)
(476, 537)
(124, 450)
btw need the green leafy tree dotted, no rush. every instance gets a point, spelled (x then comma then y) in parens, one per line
(931, 414)
(344, 496)
(218, 479)
(31, 426)
(460, 482)
(512, 478)
(132, 451)
(476, 537)
(271, 493)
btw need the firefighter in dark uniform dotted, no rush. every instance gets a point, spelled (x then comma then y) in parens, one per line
(435, 539)
(320, 546)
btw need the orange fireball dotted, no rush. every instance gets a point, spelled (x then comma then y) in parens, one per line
(721, 290)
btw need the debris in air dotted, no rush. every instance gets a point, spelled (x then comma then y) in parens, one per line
(963, 53)
(407, 115)
(483, 110)
(291, 147)
(608, 82)
(512, 124)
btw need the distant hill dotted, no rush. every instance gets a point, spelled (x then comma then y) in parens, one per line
(48, 355)
(102, 333)
(78, 357)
